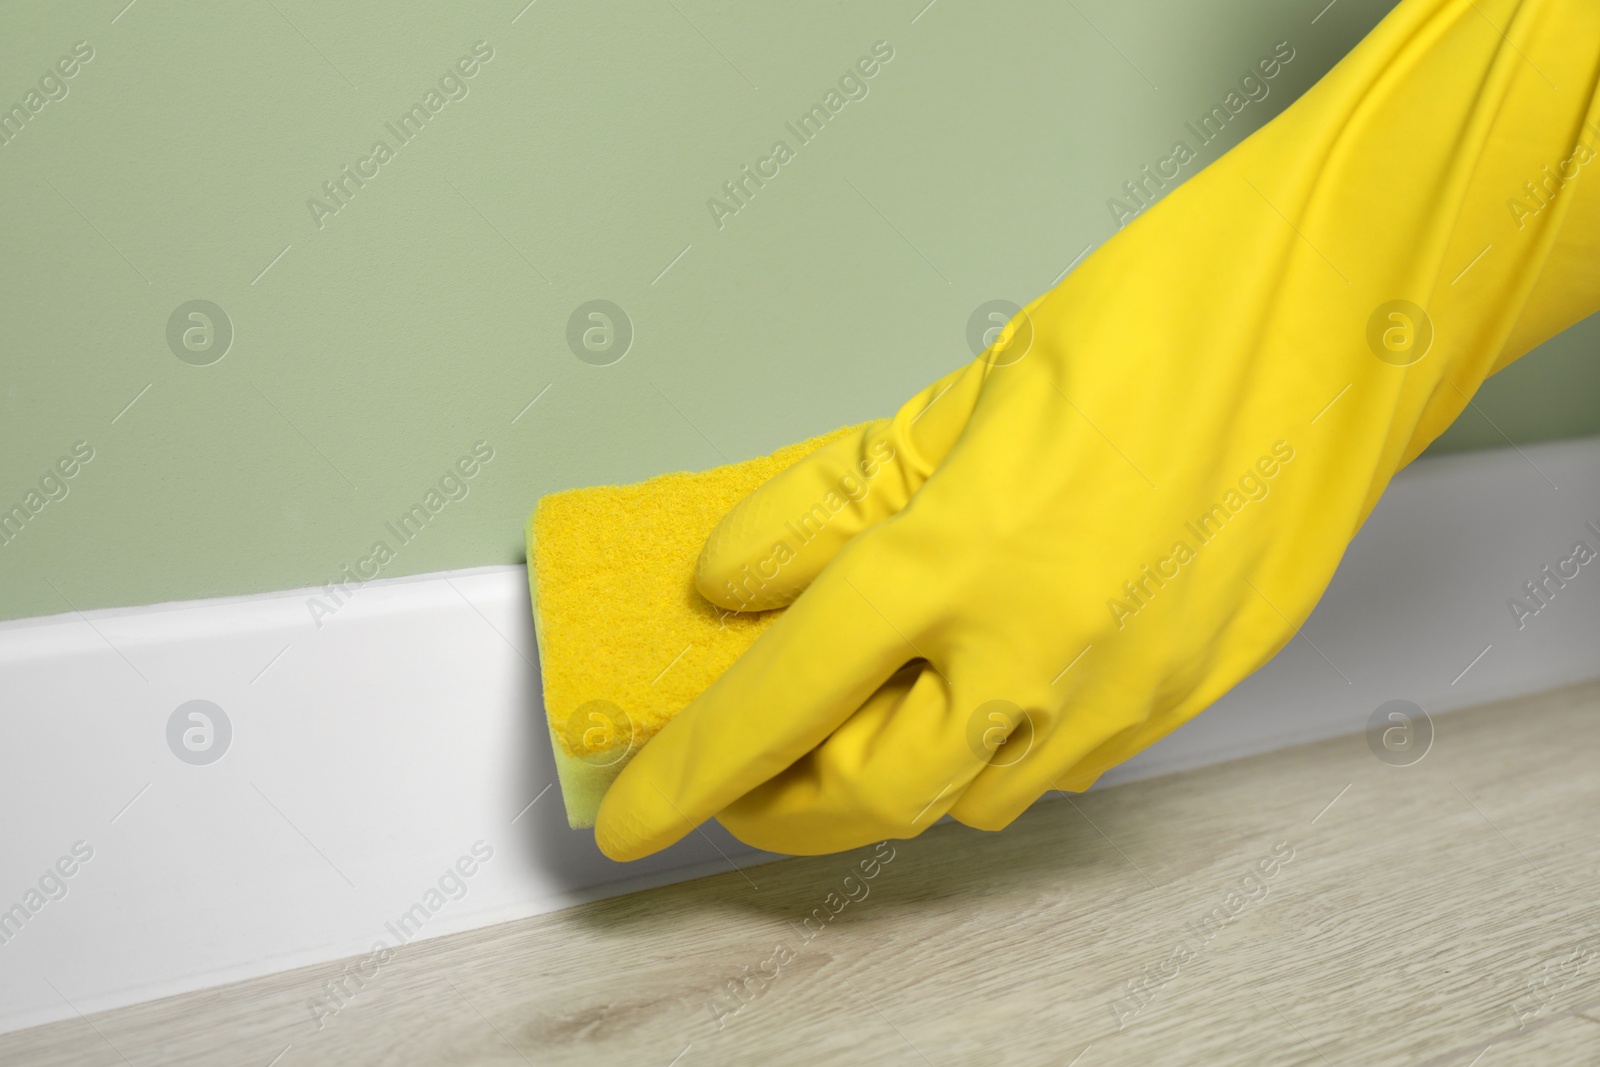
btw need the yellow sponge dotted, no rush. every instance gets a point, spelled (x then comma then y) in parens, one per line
(625, 641)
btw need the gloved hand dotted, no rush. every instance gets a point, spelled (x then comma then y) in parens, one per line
(1058, 554)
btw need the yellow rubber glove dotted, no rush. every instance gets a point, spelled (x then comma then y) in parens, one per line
(1131, 502)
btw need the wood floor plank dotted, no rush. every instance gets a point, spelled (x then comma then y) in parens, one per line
(1313, 906)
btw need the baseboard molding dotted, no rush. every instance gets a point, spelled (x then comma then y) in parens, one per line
(370, 754)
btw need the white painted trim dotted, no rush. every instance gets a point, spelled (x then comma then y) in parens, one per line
(369, 754)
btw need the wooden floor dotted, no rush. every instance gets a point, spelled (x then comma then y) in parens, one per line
(1315, 906)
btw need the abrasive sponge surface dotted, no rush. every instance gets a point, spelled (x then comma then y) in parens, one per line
(625, 640)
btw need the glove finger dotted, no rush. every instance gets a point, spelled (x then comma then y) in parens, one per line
(775, 542)
(1062, 743)
(1110, 706)
(890, 771)
(817, 663)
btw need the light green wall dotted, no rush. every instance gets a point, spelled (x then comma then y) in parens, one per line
(429, 311)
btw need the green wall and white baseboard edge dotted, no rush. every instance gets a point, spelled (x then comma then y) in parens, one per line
(259, 342)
